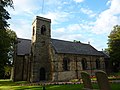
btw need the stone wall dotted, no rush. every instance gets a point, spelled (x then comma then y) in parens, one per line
(18, 67)
(58, 73)
(21, 68)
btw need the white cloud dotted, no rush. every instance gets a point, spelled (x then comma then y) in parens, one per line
(56, 17)
(69, 29)
(53, 2)
(114, 8)
(25, 7)
(108, 3)
(21, 17)
(78, 1)
(89, 12)
(22, 28)
(74, 27)
(71, 37)
(65, 3)
(68, 37)
(108, 18)
(68, 33)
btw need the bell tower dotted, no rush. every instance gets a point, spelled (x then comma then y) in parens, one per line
(40, 50)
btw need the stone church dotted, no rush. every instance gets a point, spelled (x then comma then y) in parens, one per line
(47, 59)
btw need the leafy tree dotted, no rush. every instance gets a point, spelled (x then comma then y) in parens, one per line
(8, 41)
(4, 15)
(5, 40)
(114, 46)
(12, 41)
(3, 51)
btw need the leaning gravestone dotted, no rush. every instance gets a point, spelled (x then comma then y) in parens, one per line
(102, 80)
(86, 81)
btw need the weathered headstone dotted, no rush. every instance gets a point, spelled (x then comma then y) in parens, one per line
(86, 80)
(102, 80)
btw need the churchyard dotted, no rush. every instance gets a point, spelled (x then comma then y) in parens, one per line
(100, 81)
(6, 84)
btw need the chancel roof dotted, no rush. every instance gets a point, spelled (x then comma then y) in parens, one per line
(68, 47)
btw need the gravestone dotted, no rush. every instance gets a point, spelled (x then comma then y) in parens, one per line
(86, 80)
(102, 80)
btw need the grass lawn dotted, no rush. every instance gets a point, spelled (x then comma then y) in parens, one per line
(9, 85)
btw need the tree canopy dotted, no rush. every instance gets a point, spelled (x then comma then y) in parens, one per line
(6, 36)
(114, 45)
(7, 43)
(4, 15)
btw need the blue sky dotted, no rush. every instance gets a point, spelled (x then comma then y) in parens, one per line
(83, 20)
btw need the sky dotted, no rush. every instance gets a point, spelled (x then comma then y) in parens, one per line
(82, 20)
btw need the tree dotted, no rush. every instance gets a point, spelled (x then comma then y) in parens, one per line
(12, 42)
(4, 15)
(3, 51)
(7, 50)
(5, 41)
(114, 47)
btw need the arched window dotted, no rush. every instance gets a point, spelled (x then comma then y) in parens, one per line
(97, 63)
(66, 62)
(43, 30)
(84, 64)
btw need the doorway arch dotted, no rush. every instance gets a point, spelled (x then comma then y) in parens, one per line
(42, 74)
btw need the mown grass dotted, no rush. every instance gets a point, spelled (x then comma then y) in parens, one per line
(9, 85)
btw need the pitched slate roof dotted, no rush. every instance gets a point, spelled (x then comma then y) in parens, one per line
(68, 47)
(60, 46)
(23, 46)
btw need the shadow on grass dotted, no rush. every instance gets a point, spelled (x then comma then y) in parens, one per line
(64, 87)
(8, 82)
(28, 88)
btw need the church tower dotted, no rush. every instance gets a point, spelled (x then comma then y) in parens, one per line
(40, 50)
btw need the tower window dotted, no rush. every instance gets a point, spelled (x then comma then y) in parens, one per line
(43, 30)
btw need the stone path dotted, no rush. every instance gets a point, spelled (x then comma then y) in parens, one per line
(62, 83)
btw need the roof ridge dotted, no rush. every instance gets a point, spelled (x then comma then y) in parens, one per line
(70, 41)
